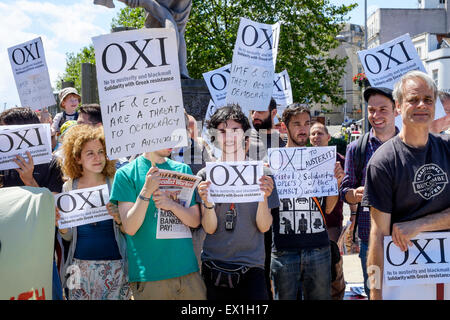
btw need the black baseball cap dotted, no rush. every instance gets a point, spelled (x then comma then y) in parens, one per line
(378, 90)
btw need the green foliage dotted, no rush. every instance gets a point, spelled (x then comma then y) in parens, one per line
(73, 66)
(129, 17)
(308, 31)
(341, 145)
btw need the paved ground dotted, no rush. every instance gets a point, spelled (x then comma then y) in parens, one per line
(352, 266)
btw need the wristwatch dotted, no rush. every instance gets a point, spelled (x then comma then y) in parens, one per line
(143, 198)
(204, 205)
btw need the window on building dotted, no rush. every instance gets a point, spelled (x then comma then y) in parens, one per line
(435, 76)
(442, 1)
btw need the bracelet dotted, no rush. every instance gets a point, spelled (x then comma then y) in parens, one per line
(353, 213)
(143, 198)
(204, 205)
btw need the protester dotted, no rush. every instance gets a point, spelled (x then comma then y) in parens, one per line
(301, 261)
(97, 250)
(240, 250)
(46, 175)
(90, 114)
(381, 116)
(319, 137)
(158, 268)
(69, 100)
(402, 186)
(280, 126)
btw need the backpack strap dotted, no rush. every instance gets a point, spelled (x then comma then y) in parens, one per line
(359, 159)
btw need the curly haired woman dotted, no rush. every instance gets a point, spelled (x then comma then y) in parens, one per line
(97, 254)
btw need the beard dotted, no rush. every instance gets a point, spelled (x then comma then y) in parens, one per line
(265, 124)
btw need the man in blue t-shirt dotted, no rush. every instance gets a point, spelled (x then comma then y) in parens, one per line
(161, 269)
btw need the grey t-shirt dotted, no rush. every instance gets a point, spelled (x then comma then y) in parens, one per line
(407, 182)
(245, 244)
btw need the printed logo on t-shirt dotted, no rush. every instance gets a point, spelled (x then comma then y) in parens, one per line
(429, 181)
(300, 216)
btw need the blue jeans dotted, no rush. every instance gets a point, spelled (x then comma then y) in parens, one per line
(304, 272)
(363, 247)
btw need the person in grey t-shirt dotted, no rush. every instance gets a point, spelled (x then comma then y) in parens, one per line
(233, 251)
(407, 180)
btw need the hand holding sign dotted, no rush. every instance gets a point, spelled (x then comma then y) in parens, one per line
(266, 185)
(152, 181)
(26, 169)
(403, 232)
(203, 190)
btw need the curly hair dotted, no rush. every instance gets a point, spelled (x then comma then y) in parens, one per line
(74, 141)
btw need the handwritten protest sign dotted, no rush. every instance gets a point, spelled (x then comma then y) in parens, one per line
(144, 123)
(304, 172)
(136, 62)
(387, 63)
(82, 206)
(253, 65)
(140, 91)
(413, 274)
(31, 74)
(236, 182)
(180, 187)
(217, 82)
(282, 90)
(16, 140)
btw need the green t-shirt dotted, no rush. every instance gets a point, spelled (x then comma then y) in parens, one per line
(151, 259)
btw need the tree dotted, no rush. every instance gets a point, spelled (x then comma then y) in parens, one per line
(73, 66)
(308, 32)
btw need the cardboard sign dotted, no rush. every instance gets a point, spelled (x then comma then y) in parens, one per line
(217, 82)
(144, 123)
(234, 181)
(387, 63)
(253, 65)
(16, 140)
(136, 62)
(82, 206)
(303, 172)
(426, 262)
(31, 74)
(417, 273)
(282, 90)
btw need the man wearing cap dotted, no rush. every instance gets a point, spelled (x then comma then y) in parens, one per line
(69, 100)
(381, 116)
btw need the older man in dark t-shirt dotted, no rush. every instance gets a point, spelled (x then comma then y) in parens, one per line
(407, 184)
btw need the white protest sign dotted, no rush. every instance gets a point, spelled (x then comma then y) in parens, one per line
(82, 206)
(304, 172)
(282, 90)
(234, 182)
(31, 74)
(217, 82)
(387, 63)
(136, 62)
(253, 65)
(144, 123)
(426, 262)
(416, 273)
(17, 139)
(180, 187)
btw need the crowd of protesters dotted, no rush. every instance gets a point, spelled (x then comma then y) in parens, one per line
(242, 251)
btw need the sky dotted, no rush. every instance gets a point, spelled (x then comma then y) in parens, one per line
(67, 26)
